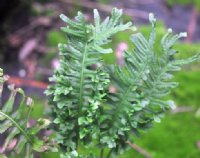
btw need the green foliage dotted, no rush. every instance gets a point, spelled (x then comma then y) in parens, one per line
(85, 111)
(78, 116)
(141, 85)
(160, 140)
(14, 122)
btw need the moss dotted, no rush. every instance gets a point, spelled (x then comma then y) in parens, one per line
(188, 91)
(176, 136)
(55, 37)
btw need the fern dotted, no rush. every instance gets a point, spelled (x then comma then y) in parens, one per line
(85, 111)
(14, 122)
(76, 80)
(141, 84)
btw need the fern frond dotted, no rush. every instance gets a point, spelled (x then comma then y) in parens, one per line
(14, 122)
(141, 84)
(79, 90)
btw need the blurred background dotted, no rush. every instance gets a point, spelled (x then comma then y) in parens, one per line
(28, 54)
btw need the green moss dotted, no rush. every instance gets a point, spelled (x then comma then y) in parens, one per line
(175, 137)
(187, 49)
(188, 91)
(55, 37)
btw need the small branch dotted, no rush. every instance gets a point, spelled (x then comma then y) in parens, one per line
(139, 149)
(107, 8)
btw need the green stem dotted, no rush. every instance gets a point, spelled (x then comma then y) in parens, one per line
(81, 90)
(109, 153)
(101, 153)
(28, 152)
(29, 113)
(17, 125)
(82, 78)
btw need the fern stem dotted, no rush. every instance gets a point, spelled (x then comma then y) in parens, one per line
(122, 98)
(17, 125)
(81, 89)
(28, 152)
(29, 113)
(82, 78)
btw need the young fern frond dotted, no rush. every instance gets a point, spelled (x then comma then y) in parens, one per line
(14, 123)
(78, 93)
(141, 84)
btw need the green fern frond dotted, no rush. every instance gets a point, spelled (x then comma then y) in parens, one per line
(141, 84)
(79, 89)
(14, 123)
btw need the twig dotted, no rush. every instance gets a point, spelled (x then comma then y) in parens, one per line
(139, 149)
(107, 8)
